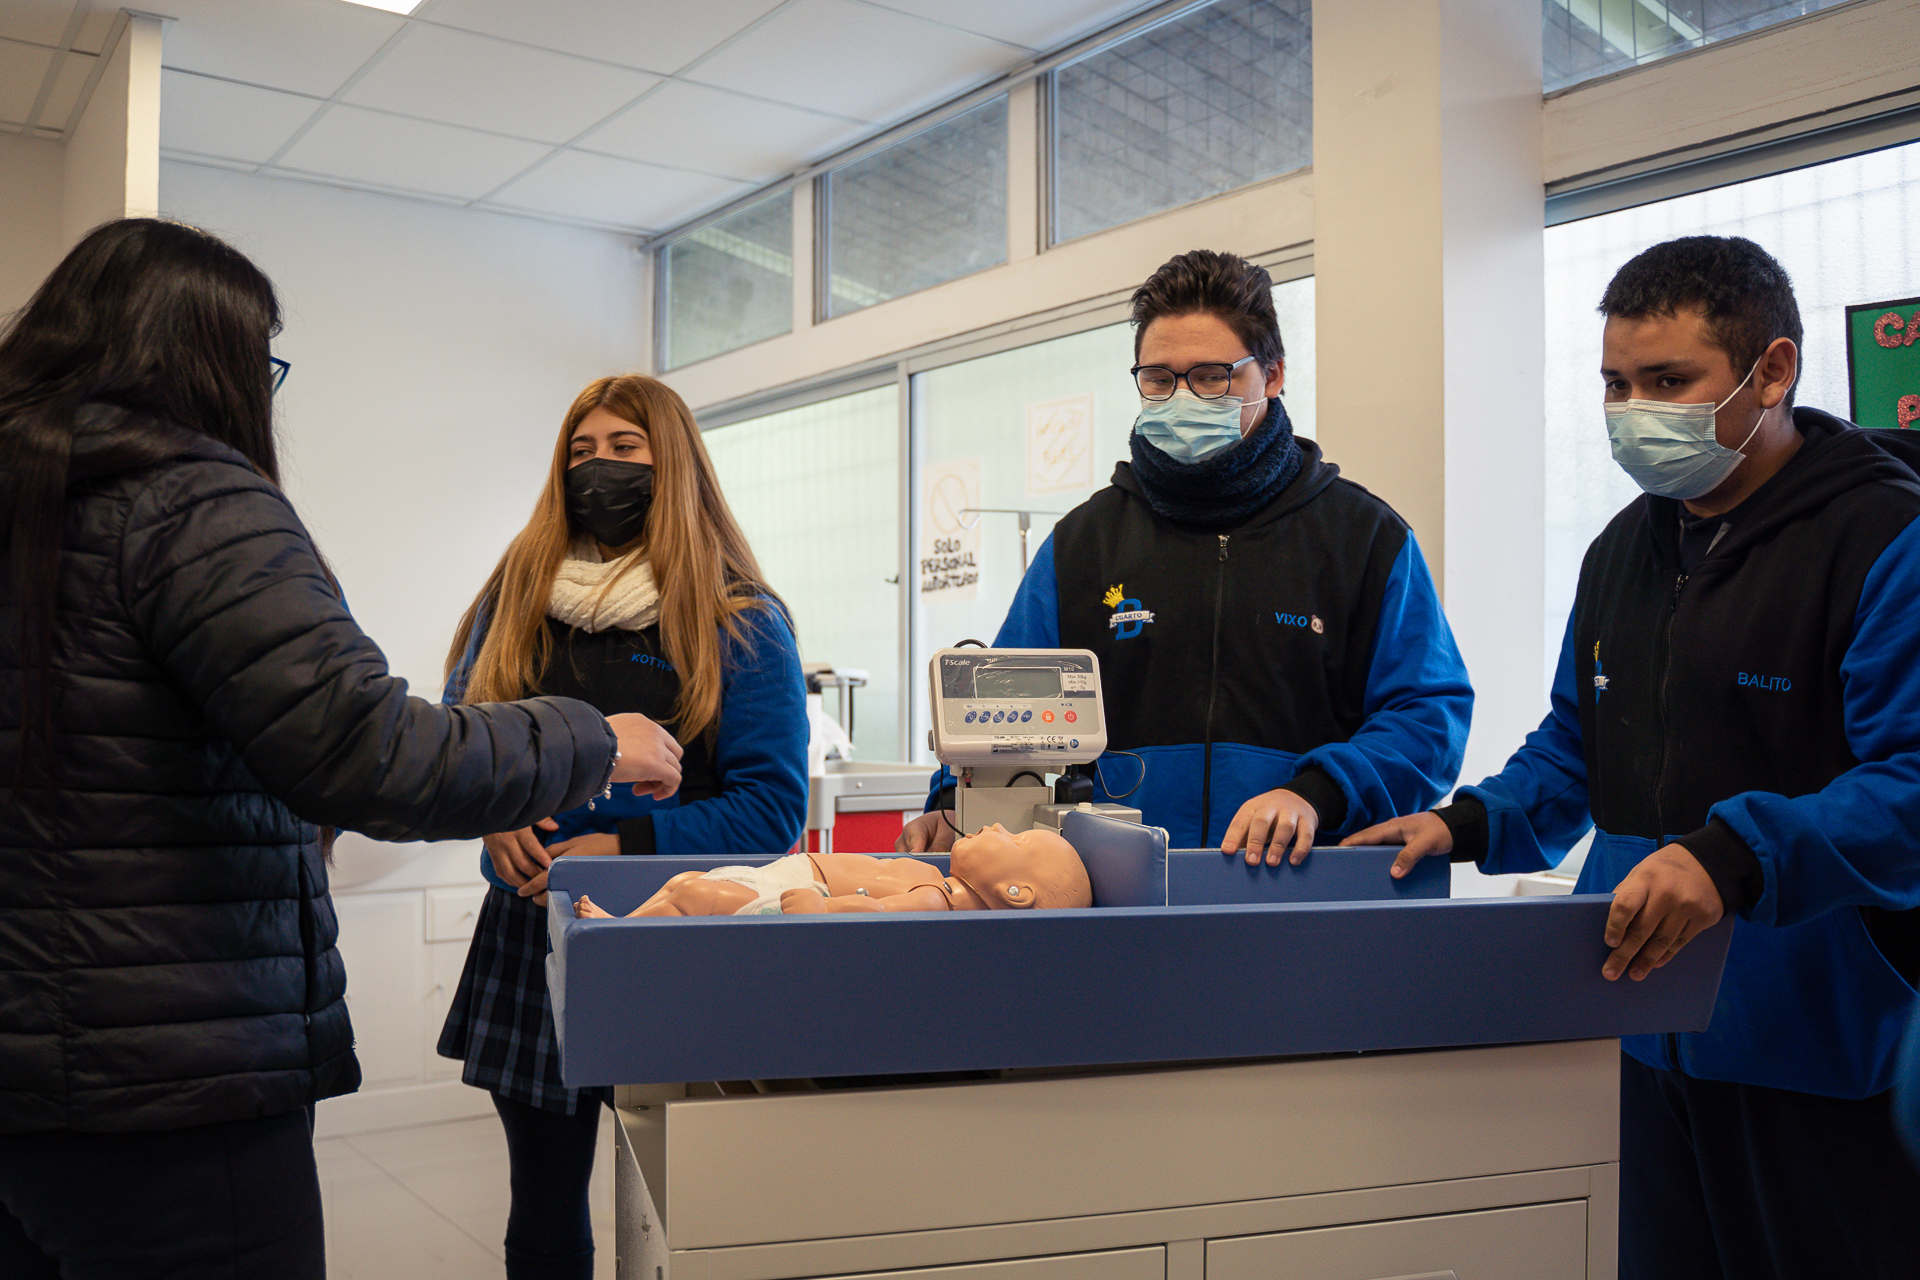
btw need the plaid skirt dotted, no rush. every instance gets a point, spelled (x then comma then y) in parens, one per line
(500, 1023)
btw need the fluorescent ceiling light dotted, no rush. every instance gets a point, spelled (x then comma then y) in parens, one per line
(391, 6)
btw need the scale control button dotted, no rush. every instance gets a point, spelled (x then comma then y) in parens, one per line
(1046, 717)
(969, 717)
(1025, 716)
(998, 716)
(1072, 716)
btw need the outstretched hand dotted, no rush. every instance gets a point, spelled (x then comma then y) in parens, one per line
(649, 755)
(1423, 834)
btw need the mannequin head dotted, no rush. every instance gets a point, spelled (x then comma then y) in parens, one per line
(1036, 868)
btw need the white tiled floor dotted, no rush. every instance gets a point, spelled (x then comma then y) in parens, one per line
(430, 1202)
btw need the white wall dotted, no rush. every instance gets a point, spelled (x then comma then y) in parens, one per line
(434, 351)
(30, 243)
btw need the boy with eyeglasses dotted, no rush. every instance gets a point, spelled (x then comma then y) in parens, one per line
(1276, 662)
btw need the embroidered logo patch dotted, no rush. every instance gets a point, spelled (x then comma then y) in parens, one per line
(1129, 617)
(1599, 681)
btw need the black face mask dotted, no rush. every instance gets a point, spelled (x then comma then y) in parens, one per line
(609, 499)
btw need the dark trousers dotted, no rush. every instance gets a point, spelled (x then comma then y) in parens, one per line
(1738, 1182)
(236, 1201)
(550, 1165)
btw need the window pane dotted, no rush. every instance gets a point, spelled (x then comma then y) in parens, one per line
(923, 211)
(984, 415)
(1214, 100)
(1837, 228)
(817, 490)
(1589, 38)
(729, 284)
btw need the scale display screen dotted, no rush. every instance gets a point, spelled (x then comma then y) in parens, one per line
(1016, 682)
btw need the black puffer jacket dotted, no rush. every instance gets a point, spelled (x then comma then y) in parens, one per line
(166, 940)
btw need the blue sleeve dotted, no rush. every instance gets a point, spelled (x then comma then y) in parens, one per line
(456, 686)
(1032, 622)
(760, 752)
(1407, 751)
(1852, 842)
(1537, 805)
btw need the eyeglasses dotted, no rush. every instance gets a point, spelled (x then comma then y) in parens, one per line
(277, 369)
(1208, 381)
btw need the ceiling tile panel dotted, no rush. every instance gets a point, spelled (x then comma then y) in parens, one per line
(414, 155)
(485, 83)
(234, 121)
(304, 46)
(854, 60)
(67, 88)
(93, 31)
(654, 35)
(691, 126)
(22, 68)
(602, 189)
(1039, 27)
(36, 21)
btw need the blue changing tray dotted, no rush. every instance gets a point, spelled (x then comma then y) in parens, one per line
(1241, 963)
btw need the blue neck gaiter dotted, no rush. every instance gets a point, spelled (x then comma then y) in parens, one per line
(1226, 487)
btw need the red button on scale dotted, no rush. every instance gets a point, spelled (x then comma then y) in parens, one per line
(1046, 717)
(1071, 717)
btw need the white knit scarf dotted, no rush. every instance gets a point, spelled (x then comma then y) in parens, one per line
(581, 596)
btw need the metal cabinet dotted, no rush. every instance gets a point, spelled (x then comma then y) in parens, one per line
(1532, 1242)
(1491, 1163)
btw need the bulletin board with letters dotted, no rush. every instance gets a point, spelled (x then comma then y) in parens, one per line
(1883, 364)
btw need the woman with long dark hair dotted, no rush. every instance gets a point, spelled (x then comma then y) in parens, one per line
(184, 704)
(631, 587)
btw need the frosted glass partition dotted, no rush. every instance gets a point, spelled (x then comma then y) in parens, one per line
(1036, 429)
(728, 284)
(923, 211)
(1216, 99)
(1838, 229)
(1584, 39)
(817, 490)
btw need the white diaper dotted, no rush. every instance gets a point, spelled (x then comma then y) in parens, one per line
(795, 871)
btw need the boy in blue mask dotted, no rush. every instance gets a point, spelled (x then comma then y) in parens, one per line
(1737, 714)
(1275, 660)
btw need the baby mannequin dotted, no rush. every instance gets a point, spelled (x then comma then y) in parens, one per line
(993, 870)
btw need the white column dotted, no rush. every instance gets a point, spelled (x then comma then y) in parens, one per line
(805, 246)
(1023, 171)
(112, 167)
(1429, 280)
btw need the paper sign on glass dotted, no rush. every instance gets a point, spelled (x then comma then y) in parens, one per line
(1060, 445)
(950, 530)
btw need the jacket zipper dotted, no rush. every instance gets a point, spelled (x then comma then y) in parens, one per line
(1666, 683)
(1213, 692)
(1660, 778)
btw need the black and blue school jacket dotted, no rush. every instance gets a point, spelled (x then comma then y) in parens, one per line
(743, 787)
(1303, 648)
(1763, 711)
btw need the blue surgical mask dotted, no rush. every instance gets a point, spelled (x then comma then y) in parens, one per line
(1185, 427)
(1669, 449)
